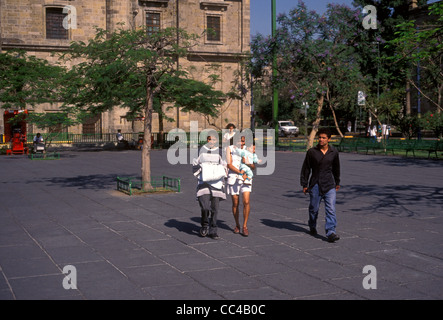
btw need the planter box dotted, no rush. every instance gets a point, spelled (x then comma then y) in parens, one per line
(131, 185)
(44, 156)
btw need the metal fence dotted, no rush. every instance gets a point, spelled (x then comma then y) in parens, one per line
(131, 185)
(134, 138)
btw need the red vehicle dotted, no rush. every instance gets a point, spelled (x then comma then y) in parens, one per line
(16, 134)
(19, 143)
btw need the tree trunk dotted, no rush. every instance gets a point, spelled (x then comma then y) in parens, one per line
(408, 98)
(439, 98)
(160, 127)
(146, 151)
(316, 123)
(335, 121)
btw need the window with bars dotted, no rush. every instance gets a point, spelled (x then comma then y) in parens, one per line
(213, 24)
(152, 22)
(54, 24)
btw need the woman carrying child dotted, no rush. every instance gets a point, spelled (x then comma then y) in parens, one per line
(236, 183)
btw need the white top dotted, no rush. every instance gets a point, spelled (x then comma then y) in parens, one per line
(228, 135)
(236, 161)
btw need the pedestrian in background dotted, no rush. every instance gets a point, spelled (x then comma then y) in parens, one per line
(372, 131)
(228, 135)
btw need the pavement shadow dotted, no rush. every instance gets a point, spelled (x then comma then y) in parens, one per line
(220, 223)
(397, 161)
(87, 182)
(182, 226)
(192, 228)
(294, 194)
(290, 225)
(394, 200)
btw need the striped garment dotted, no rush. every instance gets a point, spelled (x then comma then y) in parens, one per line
(216, 188)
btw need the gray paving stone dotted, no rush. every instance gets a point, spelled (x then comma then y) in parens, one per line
(225, 279)
(71, 255)
(187, 291)
(43, 287)
(298, 285)
(29, 268)
(156, 275)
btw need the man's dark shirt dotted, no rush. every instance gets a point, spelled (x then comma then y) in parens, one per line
(325, 169)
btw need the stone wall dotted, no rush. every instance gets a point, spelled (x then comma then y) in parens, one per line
(23, 25)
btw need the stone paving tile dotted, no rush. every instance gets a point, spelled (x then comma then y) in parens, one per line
(43, 287)
(183, 291)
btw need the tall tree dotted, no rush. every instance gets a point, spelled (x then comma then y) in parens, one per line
(420, 44)
(126, 69)
(316, 57)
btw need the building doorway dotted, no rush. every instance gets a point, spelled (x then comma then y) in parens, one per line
(10, 128)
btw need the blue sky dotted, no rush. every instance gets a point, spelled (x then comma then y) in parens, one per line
(261, 11)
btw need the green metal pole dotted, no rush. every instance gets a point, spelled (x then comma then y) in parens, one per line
(274, 71)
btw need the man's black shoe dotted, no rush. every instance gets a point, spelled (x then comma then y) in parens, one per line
(333, 237)
(204, 231)
(214, 236)
(312, 231)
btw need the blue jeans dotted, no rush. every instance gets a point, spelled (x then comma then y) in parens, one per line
(314, 205)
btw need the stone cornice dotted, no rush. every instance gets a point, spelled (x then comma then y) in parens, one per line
(34, 47)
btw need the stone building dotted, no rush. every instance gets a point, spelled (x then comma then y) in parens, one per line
(37, 27)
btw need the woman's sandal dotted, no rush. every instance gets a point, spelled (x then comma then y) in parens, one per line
(237, 230)
(245, 232)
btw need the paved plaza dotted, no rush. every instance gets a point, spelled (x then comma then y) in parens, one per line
(67, 212)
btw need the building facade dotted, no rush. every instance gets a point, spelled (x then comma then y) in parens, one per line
(42, 27)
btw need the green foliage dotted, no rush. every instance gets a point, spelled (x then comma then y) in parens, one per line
(433, 121)
(379, 61)
(408, 125)
(420, 44)
(26, 80)
(424, 40)
(388, 105)
(48, 121)
(191, 95)
(316, 58)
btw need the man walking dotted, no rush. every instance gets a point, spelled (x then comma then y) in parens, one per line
(320, 176)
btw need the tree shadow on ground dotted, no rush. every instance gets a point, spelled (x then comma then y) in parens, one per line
(394, 200)
(397, 161)
(298, 193)
(85, 182)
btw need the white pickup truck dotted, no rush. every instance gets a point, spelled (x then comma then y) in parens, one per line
(287, 128)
